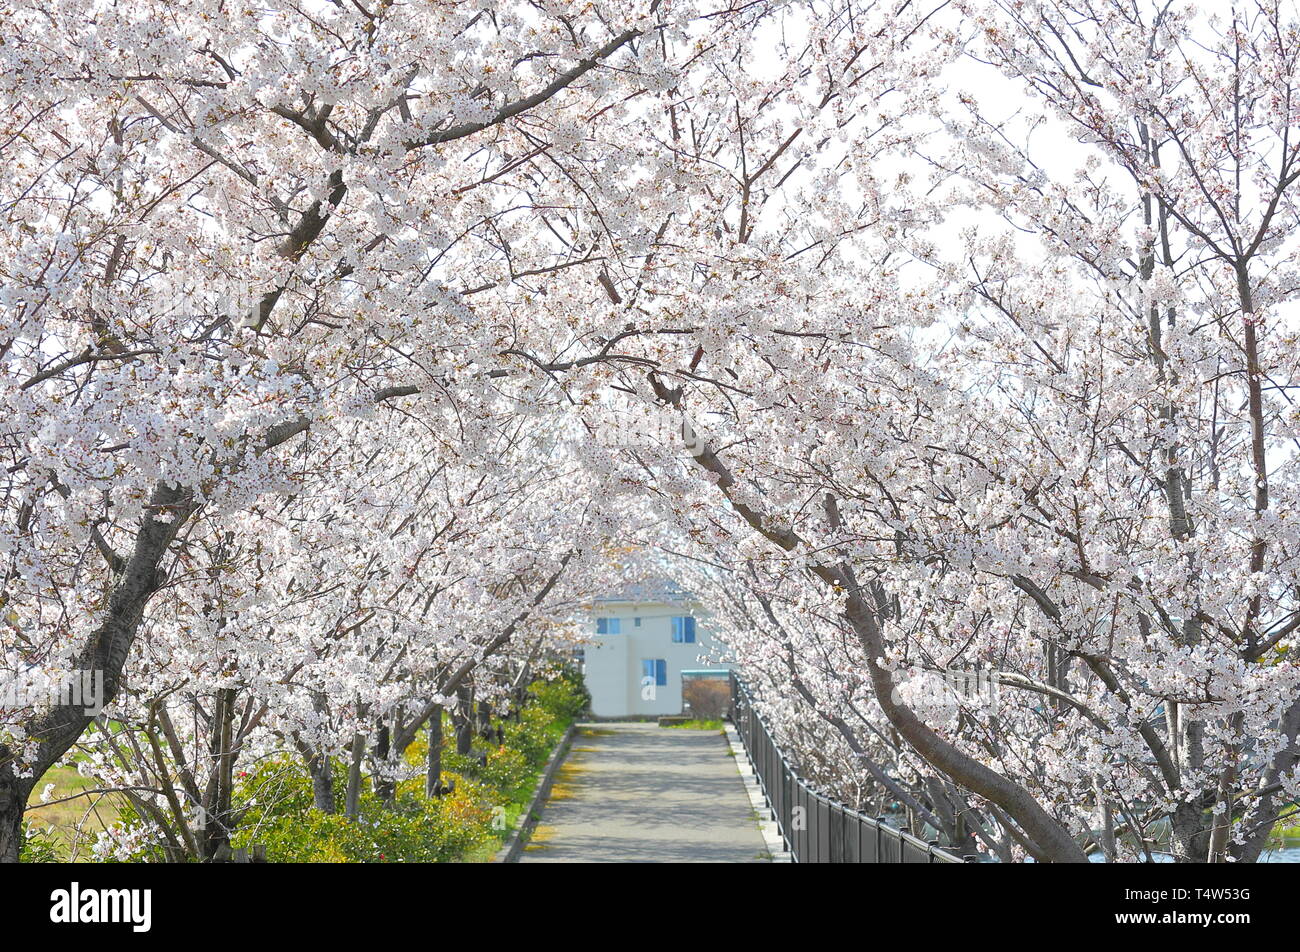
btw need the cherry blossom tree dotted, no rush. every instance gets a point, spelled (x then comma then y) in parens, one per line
(1057, 450)
(226, 228)
(356, 610)
(960, 335)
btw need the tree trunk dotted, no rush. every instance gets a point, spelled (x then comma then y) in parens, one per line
(136, 579)
(352, 799)
(216, 801)
(385, 786)
(1052, 841)
(433, 773)
(463, 721)
(13, 801)
(321, 770)
(319, 765)
(1261, 817)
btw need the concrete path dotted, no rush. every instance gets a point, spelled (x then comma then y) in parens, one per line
(640, 793)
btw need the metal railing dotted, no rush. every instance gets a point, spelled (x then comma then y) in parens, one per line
(815, 828)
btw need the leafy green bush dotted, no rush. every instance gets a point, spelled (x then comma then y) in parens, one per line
(413, 829)
(563, 696)
(279, 810)
(533, 735)
(39, 845)
(507, 770)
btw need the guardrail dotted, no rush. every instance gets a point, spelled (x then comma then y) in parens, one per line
(815, 828)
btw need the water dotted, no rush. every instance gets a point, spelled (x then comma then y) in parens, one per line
(1288, 854)
(1285, 854)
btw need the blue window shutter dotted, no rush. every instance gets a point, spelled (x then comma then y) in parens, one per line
(690, 628)
(661, 672)
(602, 626)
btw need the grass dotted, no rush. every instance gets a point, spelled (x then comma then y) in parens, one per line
(77, 818)
(696, 724)
(521, 798)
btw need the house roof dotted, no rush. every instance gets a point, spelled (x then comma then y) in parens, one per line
(649, 591)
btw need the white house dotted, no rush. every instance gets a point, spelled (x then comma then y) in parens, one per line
(639, 641)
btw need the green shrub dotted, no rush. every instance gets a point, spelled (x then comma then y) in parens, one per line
(533, 735)
(413, 829)
(39, 845)
(507, 770)
(564, 696)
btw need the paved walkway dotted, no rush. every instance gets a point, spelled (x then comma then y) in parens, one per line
(640, 793)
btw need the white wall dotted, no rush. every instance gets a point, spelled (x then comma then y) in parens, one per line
(612, 663)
